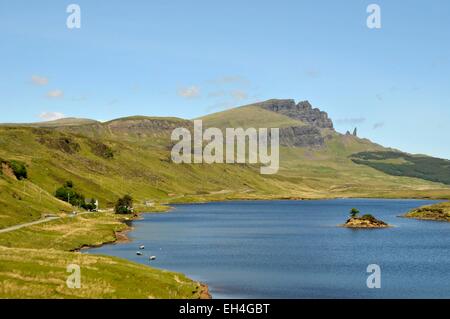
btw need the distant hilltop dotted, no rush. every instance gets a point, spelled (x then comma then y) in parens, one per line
(300, 124)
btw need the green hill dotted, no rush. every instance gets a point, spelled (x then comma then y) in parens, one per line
(248, 116)
(68, 121)
(132, 156)
(403, 164)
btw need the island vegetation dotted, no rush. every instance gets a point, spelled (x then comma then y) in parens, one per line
(364, 221)
(437, 212)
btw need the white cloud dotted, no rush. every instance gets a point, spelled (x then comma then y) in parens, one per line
(189, 92)
(39, 80)
(54, 94)
(51, 116)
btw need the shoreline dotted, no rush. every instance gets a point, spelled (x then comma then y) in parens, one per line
(282, 198)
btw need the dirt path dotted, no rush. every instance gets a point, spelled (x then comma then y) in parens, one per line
(15, 227)
(40, 221)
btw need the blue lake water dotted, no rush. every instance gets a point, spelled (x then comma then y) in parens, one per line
(294, 249)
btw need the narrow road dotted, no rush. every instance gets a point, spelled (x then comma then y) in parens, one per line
(40, 221)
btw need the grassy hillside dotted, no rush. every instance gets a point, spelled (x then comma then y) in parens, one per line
(69, 121)
(33, 263)
(402, 164)
(142, 169)
(23, 201)
(248, 116)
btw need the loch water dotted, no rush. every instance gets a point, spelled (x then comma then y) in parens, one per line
(295, 249)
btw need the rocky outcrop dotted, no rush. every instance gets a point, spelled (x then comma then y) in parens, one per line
(301, 136)
(438, 212)
(302, 111)
(367, 221)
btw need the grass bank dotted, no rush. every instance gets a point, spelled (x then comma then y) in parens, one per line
(437, 212)
(33, 262)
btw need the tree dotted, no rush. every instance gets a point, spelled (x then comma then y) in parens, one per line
(68, 184)
(124, 205)
(19, 169)
(354, 212)
(68, 194)
(90, 206)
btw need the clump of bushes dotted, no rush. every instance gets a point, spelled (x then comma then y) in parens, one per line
(124, 205)
(354, 212)
(91, 206)
(369, 217)
(68, 194)
(101, 150)
(18, 168)
(433, 210)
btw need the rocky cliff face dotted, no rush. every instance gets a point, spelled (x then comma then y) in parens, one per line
(308, 135)
(302, 111)
(301, 136)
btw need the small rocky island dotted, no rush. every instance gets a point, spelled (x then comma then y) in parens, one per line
(365, 221)
(437, 212)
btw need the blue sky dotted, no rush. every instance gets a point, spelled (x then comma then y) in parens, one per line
(188, 58)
